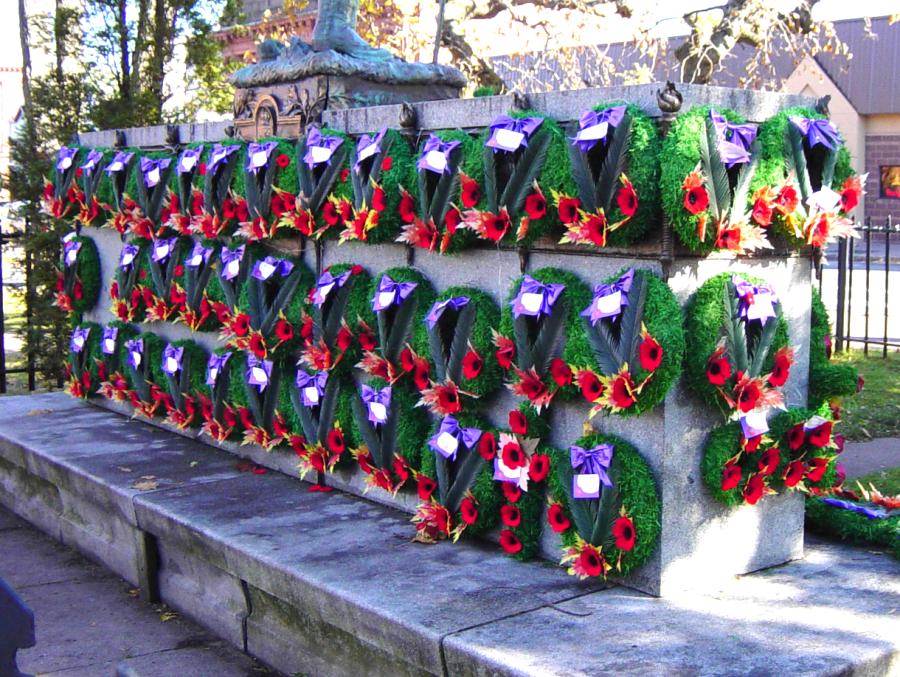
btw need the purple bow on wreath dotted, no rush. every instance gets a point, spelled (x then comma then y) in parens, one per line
(535, 298)
(79, 337)
(128, 254)
(218, 155)
(437, 310)
(214, 366)
(65, 157)
(93, 159)
(509, 134)
(378, 403)
(757, 302)
(435, 155)
(311, 387)
(171, 359)
(320, 148)
(591, 466)
(367, 146)
(108, 342)
(259, 372)
(391, 293)
(163, 248)
(70, 252)
(817, 132)
(231, 261)
(733, 140)
(263, 269)
(199, 255)
(189, 159)
(450, 435)
(326, 284)
(135, 350)
(609, 299)
(258, 155)
(593, 126)
(119, 162)
(152, 168)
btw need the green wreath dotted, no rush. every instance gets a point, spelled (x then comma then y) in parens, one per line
(827, 381)
(618, 176)
(184, 383)
(126, 288)
(706, 322)
(324, 191)
(78, 280)
(144, 378)
(95, 200)
(269, 190)
(592, 521)
(853, 527)
(61, 198)
(82, 369)
(223, 203)
(112, 351)
(261, 411)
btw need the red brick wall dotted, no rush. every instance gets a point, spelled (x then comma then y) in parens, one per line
(881, 150)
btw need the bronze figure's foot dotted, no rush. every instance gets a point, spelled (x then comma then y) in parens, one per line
(345, 40)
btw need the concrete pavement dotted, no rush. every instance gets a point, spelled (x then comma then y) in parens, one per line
(862, 458)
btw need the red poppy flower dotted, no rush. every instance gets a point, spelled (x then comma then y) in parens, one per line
(796, 436)
(591, 387)
(539, 467)
(786, 201)
(468, 510)
(567, 209)
(622, 395)
(752, 444)
(731, 476)
(448, 400)
(425, 487)
(729, 238)
(794, 473)
(330, 214)
(817, 469)
(496, 226)
(768, 464)
(590, 562)
(178, 270)
(849, 199)
(366, 340)
(650, 353)
(469, 193)
(749, 396)
(407, 208)
(240, 325)
(506, 351)
(781, 369)
(518, 423)
(407, 362)
(487, 446)
(510, 542)
(258, 346)
(452, 219)
(345, 174)
(627, 199)
(623, 532)
(282, 160)
(400, 469)
(762, 213)
(560, 372)
(246, 418)
(472, 364)
(512, 455)
(277, 205)
(379, 203)
(113, 288)
(839, 443)
(594, 229)
(343, 339)
(387, 163)
(78, 293)
(510, 515)
(535, 206)
(511, 492)
(696, 199)
(821, 436)
(754, 489)
(556, 518)
(421, 374)
(241, 210)
(283, 330)
(531, 386)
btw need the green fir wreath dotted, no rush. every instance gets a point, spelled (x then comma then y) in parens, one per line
(129, 280)
(265, 188)
(827, 381)
(324, 192)
(94, 199)
(61, 198)
(111, 354)
(78, 279)
(143, 379)
(82, 366)
(850, 526)
(184, 383)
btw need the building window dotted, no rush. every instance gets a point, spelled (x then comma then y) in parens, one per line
(890, 182)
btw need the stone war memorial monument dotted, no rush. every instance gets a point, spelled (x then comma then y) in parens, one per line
(501, 339)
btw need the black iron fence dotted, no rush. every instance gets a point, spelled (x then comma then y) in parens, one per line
(25, 363)
(865, 269)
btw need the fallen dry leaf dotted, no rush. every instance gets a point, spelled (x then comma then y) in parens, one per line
(147, 483)
(39, 412)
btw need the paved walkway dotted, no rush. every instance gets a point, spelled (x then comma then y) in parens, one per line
(862, 458)
(88, 622)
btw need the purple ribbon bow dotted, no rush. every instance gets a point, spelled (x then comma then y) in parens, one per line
(152, 168)
(591, 466)
(733, 141)
(509, 134)
(258, 155)
(535, 298)
(171, 359)
(231, 261)
(108, 342)
(93, 159)
(378, 403)
(135, 350)
(609, 299)
(65, 157)
(320, 148)
(128, 254)
(119, 162)
(593, 126)
(163, 248)
(326, 284)
(367, 146)
(757, 302)
(218, 155)
(79, 337)
(437, 310)
(199, 256)
(450, 435)
(817, 132)
(311, 387)
(189, 159)
(391, 293)
(214, 366)
(435, 155)
(70, 252)
(263, 269)
(259, 372)
(870, 513)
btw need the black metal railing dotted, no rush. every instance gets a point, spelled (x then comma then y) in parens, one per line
(29, 367)
(867, 260)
